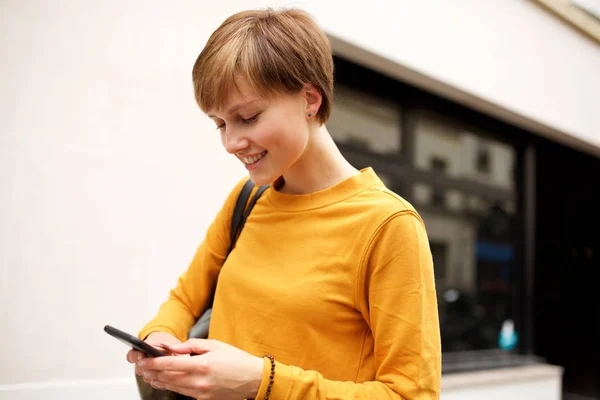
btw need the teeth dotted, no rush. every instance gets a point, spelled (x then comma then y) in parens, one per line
(252, 160)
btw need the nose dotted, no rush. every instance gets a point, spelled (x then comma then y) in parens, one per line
(233, 141)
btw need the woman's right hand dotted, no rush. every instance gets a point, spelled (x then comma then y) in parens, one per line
(160, 340)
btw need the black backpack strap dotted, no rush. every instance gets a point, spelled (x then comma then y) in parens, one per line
(238, 212)
(258, 193)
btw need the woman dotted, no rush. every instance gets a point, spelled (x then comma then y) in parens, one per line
(332, 275)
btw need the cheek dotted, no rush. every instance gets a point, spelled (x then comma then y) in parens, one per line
(275, 136)
(288, 142)
(282, 135)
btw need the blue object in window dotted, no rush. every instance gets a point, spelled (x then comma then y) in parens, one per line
(495, 252)
(508, 338)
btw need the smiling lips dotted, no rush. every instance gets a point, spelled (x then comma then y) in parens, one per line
(251, 160)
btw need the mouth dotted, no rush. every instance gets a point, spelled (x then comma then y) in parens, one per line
(253, 159)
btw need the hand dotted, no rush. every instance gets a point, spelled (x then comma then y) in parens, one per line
(160, 340)
(218, 371)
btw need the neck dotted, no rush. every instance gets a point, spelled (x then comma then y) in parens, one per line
(320, 166)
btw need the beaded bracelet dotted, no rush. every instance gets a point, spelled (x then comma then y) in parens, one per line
(271, 377)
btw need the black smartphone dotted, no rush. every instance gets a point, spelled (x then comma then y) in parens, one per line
(133, 342)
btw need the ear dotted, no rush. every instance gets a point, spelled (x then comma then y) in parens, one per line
(313, 97)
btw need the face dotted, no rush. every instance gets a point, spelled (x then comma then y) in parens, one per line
(268, 135)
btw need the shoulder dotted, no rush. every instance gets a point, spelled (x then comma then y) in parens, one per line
(239, 185)
(236, 190)
(243, 185)
(231, 198)
(386, 205)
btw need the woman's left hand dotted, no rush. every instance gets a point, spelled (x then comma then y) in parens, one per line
(218, 371)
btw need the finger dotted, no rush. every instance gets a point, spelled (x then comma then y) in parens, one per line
(196, 365)
(164, 348)
(130, 356)
(195, 346)
(140, 370)
(134, 356)
(160, 346)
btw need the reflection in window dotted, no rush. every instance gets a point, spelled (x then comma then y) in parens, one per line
(462, 185)
(437, 196)
(478, 268)
(467, 155)
(483, 159)
(428, 196)
(439, 252)
(359, 119)
(471, 234)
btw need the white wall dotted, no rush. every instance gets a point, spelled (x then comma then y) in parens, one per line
(511, 58)
(109, 173)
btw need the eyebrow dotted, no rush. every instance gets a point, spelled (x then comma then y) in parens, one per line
(236, 107)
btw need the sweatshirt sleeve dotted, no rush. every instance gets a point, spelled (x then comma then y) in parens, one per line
(396, 295)
(196, 285)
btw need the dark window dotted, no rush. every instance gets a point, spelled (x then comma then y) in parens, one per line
(437, 196)
(483, 159)
(439, 252)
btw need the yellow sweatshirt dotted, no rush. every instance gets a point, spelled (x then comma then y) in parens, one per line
(337, 285)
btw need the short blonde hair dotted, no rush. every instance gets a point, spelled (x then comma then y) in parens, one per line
(275, 51)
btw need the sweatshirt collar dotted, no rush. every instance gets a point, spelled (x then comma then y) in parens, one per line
(336, 193)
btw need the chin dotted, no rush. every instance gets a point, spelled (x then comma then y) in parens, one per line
(262, 179)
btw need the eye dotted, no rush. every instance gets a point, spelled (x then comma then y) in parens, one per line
(221, 126)
(249, 120)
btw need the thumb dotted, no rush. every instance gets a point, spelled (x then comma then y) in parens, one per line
(195, 346)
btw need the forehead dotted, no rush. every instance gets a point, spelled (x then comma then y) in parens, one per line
(239, 95)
